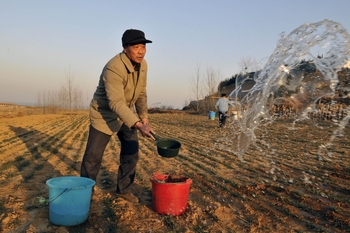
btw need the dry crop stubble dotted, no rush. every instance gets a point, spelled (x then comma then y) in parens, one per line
(290, 190)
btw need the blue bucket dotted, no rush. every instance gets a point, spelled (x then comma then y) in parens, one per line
(212, 115)
(69, 198)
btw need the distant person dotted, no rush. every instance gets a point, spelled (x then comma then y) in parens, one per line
(119, 105)
(222, 106)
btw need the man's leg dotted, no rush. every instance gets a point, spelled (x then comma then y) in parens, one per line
(223, 121)
(129, 157)
(95, 148)
(220, 119)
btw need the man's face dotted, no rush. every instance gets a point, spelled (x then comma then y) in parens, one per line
(135, 52)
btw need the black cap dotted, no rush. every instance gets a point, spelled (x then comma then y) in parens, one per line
(134, 36)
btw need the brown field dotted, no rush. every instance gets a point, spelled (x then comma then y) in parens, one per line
(290, 190)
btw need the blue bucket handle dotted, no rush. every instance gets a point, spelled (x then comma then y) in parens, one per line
(66, 189)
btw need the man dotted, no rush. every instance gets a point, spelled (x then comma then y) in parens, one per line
(222, 106)
(119, 105)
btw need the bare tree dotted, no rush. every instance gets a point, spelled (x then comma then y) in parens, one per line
(39, 99)
(52, 102)
(70, 90)
(212, 79)
(78, 99)
(62, 100)
(68, 97)
(44, 103)
(196, 89)
(248, 64)
(48, 101)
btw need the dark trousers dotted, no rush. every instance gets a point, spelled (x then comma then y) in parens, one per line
(95, 147)
(222, 118)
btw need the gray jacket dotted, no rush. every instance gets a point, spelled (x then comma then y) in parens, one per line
(223, 104)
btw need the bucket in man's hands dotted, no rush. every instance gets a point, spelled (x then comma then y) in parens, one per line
(212, 115)
(69, 199)
(170, 194)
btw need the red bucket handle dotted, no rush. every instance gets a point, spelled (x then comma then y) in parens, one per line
(160, 178)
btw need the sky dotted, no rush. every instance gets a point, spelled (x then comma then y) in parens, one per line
(44, 41)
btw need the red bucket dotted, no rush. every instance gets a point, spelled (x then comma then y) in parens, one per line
(170, 194)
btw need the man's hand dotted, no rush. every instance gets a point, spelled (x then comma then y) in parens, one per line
(144, 128)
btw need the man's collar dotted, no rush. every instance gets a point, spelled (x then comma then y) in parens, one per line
(130, 65)
(127, 62)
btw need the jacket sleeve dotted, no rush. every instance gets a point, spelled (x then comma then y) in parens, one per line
(141, 104)
(217, 103)
(113, 80)
(231, 104)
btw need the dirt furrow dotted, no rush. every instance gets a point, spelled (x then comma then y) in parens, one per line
(282, 186)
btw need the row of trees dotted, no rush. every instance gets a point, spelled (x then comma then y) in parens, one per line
(68, 98)
(204, 87)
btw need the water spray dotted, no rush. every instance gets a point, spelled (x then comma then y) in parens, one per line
(323, 45)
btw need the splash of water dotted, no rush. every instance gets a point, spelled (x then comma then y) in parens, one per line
(326, 44)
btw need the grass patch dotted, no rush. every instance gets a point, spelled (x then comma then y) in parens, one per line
(106, 182)
(54, 151)
(26, 178)
(5, 166)
(38, 167)
(2, 204)
(34, 150)
(19, 159)
(23, 165)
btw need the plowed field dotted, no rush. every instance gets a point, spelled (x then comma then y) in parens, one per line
(289, 190)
